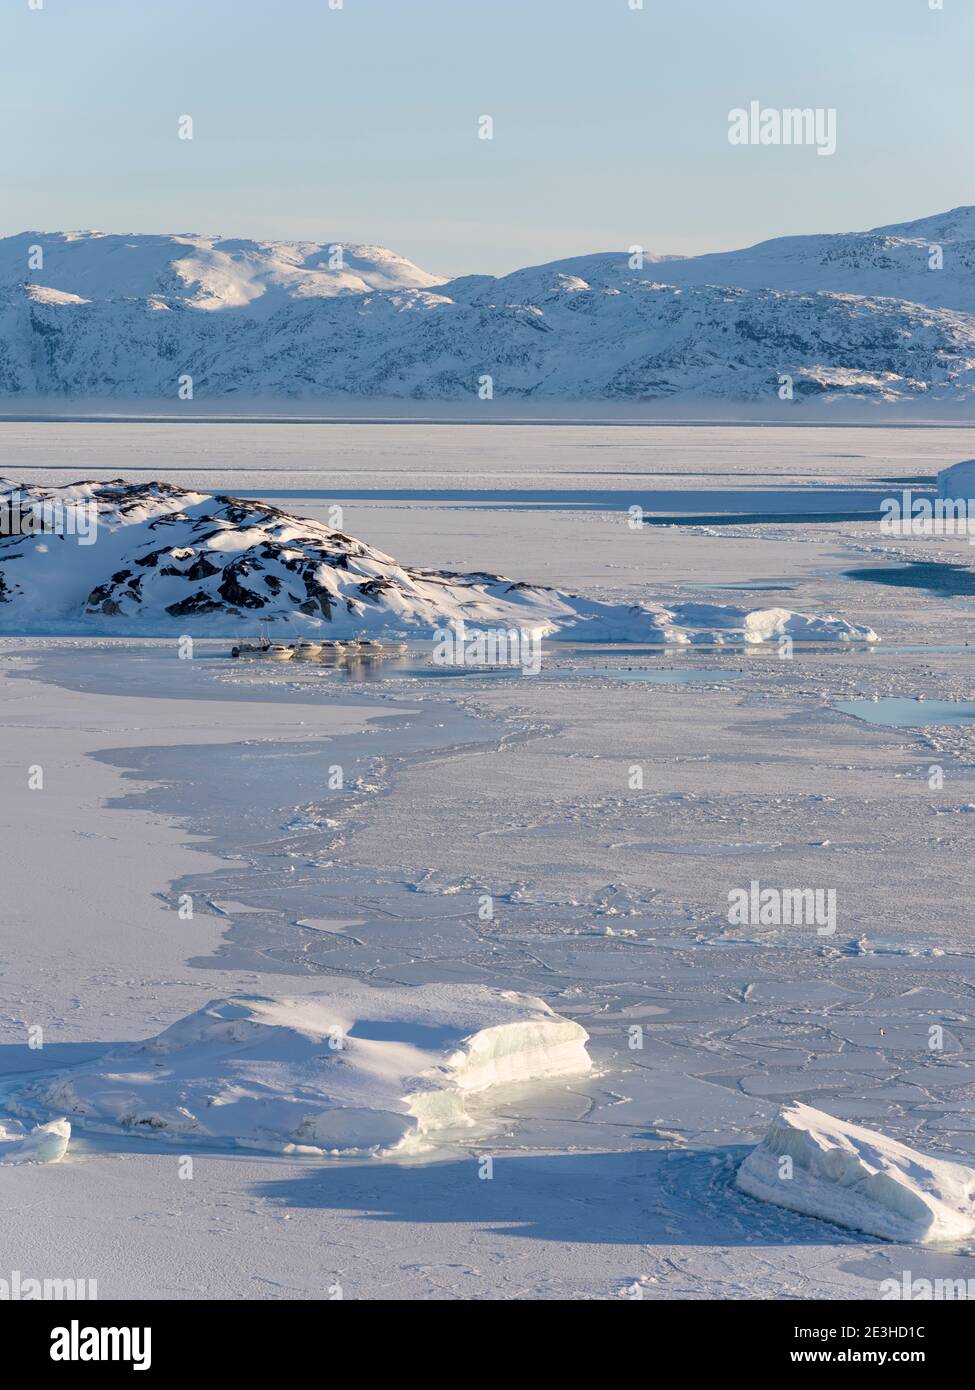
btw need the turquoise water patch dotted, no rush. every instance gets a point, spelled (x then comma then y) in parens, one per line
(899, 713)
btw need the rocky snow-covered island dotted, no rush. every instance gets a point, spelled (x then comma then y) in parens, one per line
(123, 558)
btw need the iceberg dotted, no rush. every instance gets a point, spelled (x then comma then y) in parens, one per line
(957, 483)
(46, 1143)
(357, 1069)
(819, 1166)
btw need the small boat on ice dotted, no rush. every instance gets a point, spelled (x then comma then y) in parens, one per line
(308, 649)
(373, 646)
(269, 651)
(263, 647)
(332, 651)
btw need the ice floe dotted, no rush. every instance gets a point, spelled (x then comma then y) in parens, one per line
(853, 1177)
(46, 1143)
(356, 1069)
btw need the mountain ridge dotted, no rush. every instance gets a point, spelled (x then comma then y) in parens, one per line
(860, 315)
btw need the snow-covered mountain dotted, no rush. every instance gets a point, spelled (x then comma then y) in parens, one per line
(151, 558)
(203, 272)
(892, 262)
(856, 314)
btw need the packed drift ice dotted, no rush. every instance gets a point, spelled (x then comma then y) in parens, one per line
(151, 559)
(354, 1070)
(853, 1177)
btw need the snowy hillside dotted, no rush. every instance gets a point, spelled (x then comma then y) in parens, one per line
(860, 314)
(893, 262)
(122, 557)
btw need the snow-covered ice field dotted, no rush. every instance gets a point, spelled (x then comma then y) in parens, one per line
(208, 780)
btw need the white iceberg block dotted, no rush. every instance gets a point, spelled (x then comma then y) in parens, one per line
(768, 624)
(43, 1144)
(695, 623)
(860, 1179)
(958, 481)
(351, 1070)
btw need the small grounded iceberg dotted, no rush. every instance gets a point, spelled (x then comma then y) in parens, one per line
(857, 1178)
(957, 483)
(354, 1070)
(721, 623)
(43, 1144)
(952, 512)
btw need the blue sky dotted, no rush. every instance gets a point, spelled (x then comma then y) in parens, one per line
(360, 124)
